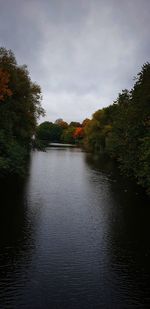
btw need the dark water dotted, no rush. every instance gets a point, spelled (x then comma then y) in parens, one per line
(74, 235)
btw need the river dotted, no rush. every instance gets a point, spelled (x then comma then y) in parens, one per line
(73, 235)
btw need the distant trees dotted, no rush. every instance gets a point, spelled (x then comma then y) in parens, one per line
(60, 131)
(123, 129)
(67, 136)
(20, 107)
(49, 132)
(75, 124)
(78, 133)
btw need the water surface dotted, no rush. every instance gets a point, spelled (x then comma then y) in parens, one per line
(74, 234)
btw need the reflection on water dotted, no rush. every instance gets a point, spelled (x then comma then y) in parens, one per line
(74, 234)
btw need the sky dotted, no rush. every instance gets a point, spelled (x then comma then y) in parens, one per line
(81, 52)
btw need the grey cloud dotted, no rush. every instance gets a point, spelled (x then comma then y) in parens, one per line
(82, 53)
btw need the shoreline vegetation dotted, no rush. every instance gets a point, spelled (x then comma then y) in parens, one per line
(121, 130)
(20, 107)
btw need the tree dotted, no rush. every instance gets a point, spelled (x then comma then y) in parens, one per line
(20, 108)
(67, 135)
(75, 124)
(43, 131)
(78, 134)
(49, 132)
(63, 124)
(85, 122)
(58, 121)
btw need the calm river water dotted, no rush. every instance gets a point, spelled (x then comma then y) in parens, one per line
(75, 235)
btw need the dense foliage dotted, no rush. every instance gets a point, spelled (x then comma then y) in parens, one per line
(60, 131)
(123, 129)
(20, 107)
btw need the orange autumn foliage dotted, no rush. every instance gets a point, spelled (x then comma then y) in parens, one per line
(78, 133)
(4, 89)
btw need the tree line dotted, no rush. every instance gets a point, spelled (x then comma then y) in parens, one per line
(60, 131)
(122, 130)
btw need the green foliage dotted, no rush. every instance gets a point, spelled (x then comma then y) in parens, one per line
(143, 171)
(49, 132)
(123, 129)
(43, 131)
(12, 156)
(67, 136)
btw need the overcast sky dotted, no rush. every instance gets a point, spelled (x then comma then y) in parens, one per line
(81, 52)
